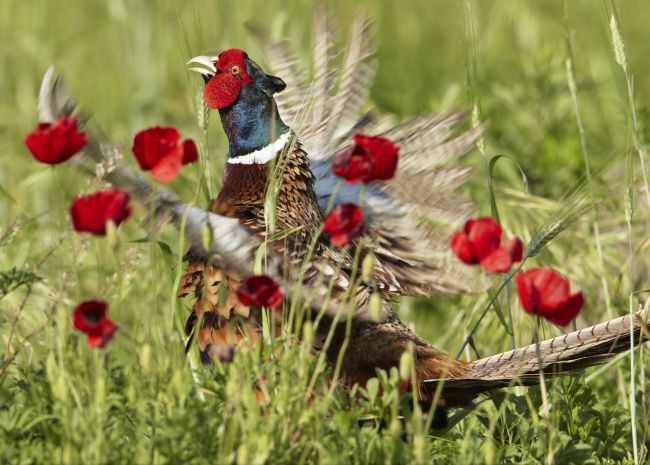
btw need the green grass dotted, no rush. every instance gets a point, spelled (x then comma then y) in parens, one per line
(138, 400)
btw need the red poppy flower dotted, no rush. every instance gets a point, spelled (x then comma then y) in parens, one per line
(260, 291)
(158, 150)
(546, 293)
(344, 224)
(90, 318)
(372, 158)
(54, 143)
(479, 243)
(91, 213)
(354, 165)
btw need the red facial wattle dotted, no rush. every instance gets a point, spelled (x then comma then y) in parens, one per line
(224, 87)
(222, 90)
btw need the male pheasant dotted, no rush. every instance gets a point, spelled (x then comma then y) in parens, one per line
(407, 222)
(409, 253)
(261, 144)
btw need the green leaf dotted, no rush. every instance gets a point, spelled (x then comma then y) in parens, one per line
(284, 233)
(206, 236)
(14, 278)
(142, 240)
(259, 258)
(165, 248)
(491, 164)
(497, 309)
(524, 178)
(372, 389)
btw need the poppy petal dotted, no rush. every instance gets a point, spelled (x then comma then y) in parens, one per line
(462, 248)
(515, 249)
(385, 159)
(485, 236)
(56, 142)
(90, 213)
(552, 286)
(167, 168)
(340, 239)
(526, 291)
(157, 150)
(102, 338)
(88, 315)
(567, 311)
(90, 318)
(353, 165)
(371, 158)
(545, 292)
(498, 261)
(260, 291)
(190, 154)
(344, 224)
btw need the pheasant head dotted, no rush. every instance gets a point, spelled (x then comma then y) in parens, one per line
(243, 93)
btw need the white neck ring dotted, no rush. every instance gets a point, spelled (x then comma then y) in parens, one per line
(263, 155)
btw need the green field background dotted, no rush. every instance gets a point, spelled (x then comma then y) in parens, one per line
(137, 401)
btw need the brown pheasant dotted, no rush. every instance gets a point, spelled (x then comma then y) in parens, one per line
(259, 144)
(407, 251)
(407, 224)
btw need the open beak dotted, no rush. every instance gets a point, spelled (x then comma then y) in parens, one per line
(207, 68)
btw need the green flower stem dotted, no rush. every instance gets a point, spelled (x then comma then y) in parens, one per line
(510, 322)
(505, 282)
(350, 294)
(544, 393)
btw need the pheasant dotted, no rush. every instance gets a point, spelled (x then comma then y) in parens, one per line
(258, 137)
(409, 254)
(289, 145)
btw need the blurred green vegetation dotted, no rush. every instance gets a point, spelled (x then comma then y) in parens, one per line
(138, 402)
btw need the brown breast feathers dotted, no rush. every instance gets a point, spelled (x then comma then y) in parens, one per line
(223, 320)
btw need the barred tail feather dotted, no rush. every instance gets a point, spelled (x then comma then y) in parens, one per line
(560, 355)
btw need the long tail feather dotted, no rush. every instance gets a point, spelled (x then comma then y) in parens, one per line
(560, 355)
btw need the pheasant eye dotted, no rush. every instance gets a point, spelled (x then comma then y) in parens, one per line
(235, 69)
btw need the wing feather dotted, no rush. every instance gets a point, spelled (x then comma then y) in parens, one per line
(409, 218)
(356, 77)
(230, 246)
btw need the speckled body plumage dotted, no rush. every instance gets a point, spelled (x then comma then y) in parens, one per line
(242, 196)
(373, 344)
(244, 189)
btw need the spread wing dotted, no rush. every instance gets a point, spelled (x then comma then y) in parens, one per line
(229, 243)
(409, 218)
(219, 239)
